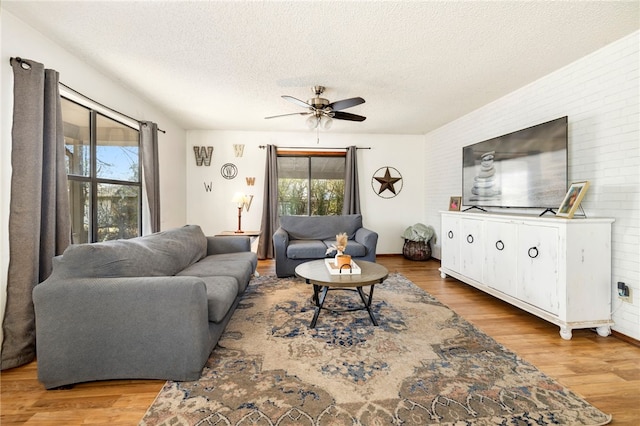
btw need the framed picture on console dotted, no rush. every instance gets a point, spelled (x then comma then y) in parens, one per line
(572, 200)
(454, 204)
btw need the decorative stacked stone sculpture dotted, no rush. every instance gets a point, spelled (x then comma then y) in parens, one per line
(485, 185)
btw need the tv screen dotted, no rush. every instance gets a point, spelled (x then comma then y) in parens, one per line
(526, 169)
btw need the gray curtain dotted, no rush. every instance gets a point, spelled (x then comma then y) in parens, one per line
(39, 219)
(351, 188)
(270, 221)
(150, 170)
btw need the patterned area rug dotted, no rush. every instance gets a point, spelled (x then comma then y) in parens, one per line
(422, 365)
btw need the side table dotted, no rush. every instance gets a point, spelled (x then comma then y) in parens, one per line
(253, 235)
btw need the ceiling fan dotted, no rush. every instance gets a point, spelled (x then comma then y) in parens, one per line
(321, 112)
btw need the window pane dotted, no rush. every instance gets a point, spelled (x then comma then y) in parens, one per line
(327, 185)
(293, 167)
(80, 203)
(310, 185)
(117, 153)
(327, 168)
(293, 186)
(118, 211)
(75, 124)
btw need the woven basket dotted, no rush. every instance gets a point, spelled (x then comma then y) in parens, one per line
(416, 250)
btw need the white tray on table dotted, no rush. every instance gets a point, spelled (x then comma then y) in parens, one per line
(334, 270)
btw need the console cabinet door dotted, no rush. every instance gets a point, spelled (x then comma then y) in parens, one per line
(450, 243)
(471, 248)
(501, 256)
(538, 266)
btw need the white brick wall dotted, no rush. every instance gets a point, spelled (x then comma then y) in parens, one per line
(600, 94)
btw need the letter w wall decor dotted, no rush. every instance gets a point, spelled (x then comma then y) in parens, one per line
(203, 155)
(238, 149)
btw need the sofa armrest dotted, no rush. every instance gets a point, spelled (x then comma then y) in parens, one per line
(227, 244)
(132, 327)
(280, 242)
(369, 239)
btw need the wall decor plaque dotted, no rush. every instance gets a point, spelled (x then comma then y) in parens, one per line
(387, 182)
(229, 171)
(238, 149)
(203, 154)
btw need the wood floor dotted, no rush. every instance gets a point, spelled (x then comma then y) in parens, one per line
(604, 370)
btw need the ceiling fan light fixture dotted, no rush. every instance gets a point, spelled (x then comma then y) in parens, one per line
(312, 122)
(326, 122)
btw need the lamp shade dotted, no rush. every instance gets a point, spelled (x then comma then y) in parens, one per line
(238, 198)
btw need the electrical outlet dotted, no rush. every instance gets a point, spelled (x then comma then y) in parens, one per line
(629, 298)
(624, 292)
(626, 296)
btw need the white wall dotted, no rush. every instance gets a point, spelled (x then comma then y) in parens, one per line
(19, 39)
(389, 217)
(600, 95)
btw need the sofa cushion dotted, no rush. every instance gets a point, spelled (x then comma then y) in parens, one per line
(221, 294)
(212, 266)
(354, 248)
(249, 256)
(320, 227)
(160, 254)
(306, 249)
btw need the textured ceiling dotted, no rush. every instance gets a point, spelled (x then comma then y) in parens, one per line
(418, 64)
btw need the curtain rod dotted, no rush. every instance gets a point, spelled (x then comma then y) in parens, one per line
(25, 64)
(311, 147)
(103, 105)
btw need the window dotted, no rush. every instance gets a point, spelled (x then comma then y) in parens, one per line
(311, 184)
(103, 171)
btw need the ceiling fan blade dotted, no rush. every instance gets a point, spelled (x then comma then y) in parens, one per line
(339, 115)
(284, 115)
(346, 103)
(297, 101)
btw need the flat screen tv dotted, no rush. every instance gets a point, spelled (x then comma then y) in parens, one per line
(523, 169)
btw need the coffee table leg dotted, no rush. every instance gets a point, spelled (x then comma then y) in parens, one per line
(367, 302)
(319, 302)
(316, 289)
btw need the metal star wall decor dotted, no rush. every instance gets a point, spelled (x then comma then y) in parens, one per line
(390, 181)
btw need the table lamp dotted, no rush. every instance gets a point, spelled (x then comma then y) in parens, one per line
(242, 201)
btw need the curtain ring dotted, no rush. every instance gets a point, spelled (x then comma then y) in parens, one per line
(23, 64)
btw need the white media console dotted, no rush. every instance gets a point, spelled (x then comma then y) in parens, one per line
(557, 269)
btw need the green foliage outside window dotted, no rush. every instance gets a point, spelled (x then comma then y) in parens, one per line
(310, 184)
(327, 197)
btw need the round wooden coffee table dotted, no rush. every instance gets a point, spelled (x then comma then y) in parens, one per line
(317, 274)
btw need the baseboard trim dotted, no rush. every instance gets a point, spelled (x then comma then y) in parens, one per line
(625, 338)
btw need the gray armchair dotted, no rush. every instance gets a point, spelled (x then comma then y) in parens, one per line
(304, 238)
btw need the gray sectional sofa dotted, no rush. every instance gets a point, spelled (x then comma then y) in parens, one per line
(300, 239)
(151, 307)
